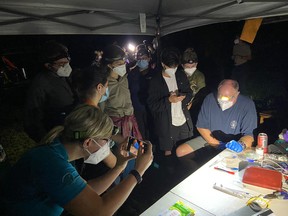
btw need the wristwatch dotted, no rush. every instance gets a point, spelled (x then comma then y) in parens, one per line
(243, 144)
(136, 174)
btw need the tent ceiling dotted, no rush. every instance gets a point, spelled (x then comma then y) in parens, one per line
(122, 17)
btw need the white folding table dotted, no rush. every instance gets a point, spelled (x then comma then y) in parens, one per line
(197, 192)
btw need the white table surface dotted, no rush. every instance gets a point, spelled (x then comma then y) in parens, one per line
(197, 189)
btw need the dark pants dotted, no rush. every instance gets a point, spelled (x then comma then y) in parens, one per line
(181, 133)
(141, 118)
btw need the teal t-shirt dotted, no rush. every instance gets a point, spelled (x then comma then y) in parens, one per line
(43, 181)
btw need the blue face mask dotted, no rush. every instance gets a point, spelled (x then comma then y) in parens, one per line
(105, 96)
(142, 64)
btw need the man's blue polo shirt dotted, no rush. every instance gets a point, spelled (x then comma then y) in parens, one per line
(241, 118)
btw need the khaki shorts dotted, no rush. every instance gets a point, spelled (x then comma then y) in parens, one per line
(196, 143)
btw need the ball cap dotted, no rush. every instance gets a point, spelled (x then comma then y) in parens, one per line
(189, 56)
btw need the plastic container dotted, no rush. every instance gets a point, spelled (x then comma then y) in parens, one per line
(262, 177)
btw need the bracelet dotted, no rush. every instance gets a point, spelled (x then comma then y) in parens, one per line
(136, 174)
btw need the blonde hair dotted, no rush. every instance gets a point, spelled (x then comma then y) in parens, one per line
(85, 121)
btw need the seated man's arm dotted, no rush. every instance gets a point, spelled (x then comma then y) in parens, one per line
(248, 124)
(207, 135)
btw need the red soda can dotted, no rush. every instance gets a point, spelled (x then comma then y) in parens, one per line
(263, 141)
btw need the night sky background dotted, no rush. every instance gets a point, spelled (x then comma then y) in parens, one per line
(212, 43)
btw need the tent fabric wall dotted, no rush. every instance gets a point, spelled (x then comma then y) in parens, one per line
(121, 17)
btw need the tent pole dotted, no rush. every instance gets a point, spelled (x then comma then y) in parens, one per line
(158, 35)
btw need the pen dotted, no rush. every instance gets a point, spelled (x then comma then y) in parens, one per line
(230, 172)
(215, 162)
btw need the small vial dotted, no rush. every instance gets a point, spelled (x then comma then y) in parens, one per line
(259, 150)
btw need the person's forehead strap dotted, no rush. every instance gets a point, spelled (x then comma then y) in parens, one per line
(59, 56)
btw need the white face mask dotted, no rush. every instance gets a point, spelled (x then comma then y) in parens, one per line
(99, 155)
(120, 70)
(64, 71)
(171, 71)
(224, 104)
(105, 96)
(190, 71)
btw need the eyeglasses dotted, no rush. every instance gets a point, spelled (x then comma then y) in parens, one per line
(108, 141)
(115, 130)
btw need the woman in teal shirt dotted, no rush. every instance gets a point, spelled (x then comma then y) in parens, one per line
(43, 181)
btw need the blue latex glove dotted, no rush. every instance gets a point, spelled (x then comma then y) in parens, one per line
(235, 146)
(222, 145)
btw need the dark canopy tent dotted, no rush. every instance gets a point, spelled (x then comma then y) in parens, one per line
(127, 17)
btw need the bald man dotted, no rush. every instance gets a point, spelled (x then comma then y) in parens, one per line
(226, 115)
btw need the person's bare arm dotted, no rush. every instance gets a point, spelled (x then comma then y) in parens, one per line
(102, 183)
(247, 140)
(118, 138)
(207, 135)
(110, 161)
(89, 203)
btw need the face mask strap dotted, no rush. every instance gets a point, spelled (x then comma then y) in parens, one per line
(97, 143)
(86, 149)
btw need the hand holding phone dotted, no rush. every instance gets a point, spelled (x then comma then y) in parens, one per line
(134, 145)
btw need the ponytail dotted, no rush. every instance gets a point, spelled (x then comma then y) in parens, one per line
(51, 135)
(85, 121)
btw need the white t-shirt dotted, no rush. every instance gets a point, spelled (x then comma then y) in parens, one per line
(178, 117)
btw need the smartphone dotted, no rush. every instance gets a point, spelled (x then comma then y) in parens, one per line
(134, 144)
